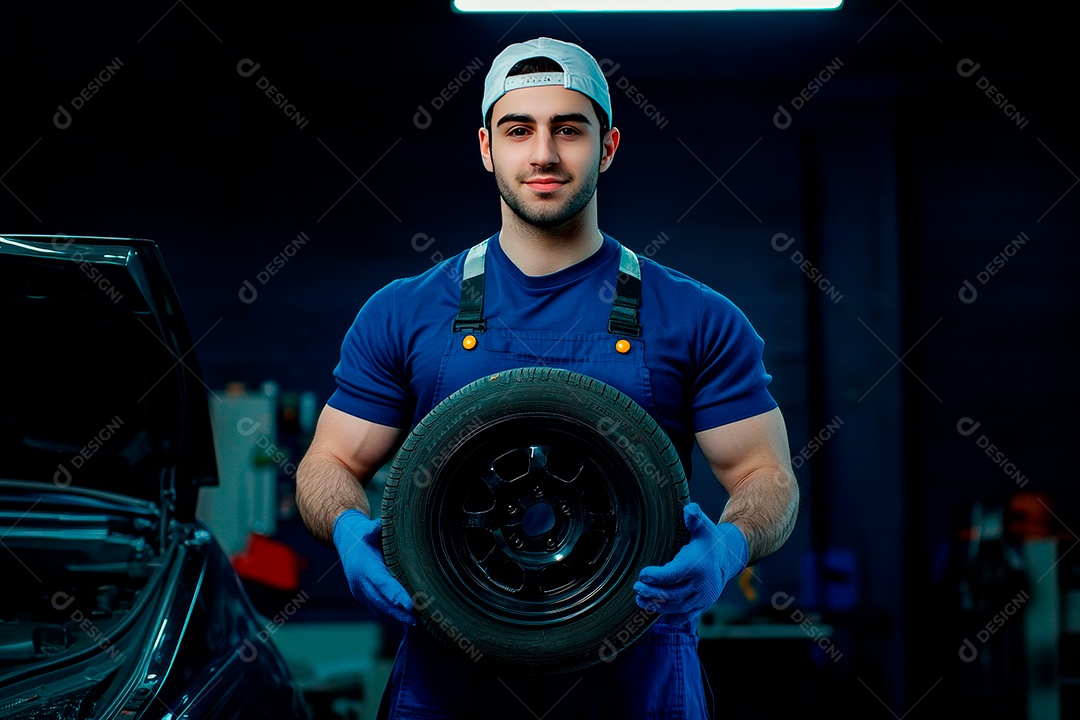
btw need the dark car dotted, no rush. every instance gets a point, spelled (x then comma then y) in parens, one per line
(117, 602)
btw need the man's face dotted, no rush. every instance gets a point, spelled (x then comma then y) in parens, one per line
(546, 152)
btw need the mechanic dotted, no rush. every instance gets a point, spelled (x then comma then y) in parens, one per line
(551, 289)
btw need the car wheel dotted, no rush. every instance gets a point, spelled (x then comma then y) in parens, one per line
(519, 512)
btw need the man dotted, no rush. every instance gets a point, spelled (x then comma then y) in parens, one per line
(692, 360)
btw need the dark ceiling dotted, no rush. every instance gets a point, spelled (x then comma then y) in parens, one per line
(180, 114)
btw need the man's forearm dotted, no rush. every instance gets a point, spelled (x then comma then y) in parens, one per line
(324, 489)
(764, 506)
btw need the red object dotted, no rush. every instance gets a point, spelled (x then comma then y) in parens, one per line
(269, 562)
(1031, 516)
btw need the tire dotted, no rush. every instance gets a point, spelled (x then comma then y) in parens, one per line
(519, 512)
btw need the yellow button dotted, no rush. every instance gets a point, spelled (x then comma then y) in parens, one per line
(468, 342)
(623, 346)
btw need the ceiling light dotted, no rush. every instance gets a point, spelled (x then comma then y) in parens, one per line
(640, 5)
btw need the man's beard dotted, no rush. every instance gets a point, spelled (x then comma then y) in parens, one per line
(548, 214)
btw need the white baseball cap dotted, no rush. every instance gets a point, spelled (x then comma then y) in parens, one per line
(580, 72)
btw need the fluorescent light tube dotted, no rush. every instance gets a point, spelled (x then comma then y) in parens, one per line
(640, 5)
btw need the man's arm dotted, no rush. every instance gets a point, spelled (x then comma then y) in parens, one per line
(751, 459)
(345, 453)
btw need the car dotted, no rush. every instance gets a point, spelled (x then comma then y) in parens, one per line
(118, 602)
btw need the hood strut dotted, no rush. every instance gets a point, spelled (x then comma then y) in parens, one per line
(168, 501)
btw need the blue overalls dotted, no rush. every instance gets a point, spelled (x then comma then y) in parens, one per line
(659, 676)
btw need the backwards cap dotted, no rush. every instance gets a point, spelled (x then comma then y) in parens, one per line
(580, 72)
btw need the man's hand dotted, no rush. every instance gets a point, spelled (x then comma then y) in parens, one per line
(358, 541)
(696, 576)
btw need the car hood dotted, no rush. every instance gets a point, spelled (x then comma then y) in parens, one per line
(101, 388)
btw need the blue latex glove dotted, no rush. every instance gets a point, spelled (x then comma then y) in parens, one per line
(695, 577)
(358, 540)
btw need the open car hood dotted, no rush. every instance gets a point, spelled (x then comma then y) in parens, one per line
(101, 389)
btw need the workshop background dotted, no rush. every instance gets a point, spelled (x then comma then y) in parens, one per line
(887, 191)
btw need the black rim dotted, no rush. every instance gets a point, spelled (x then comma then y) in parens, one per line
(533, 521)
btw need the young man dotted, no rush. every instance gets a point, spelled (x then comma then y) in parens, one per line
(549, 277)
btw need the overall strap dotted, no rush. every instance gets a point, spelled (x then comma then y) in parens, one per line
(470, 315)
(624, 308)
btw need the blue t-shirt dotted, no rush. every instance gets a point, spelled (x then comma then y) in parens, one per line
(703, 358)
